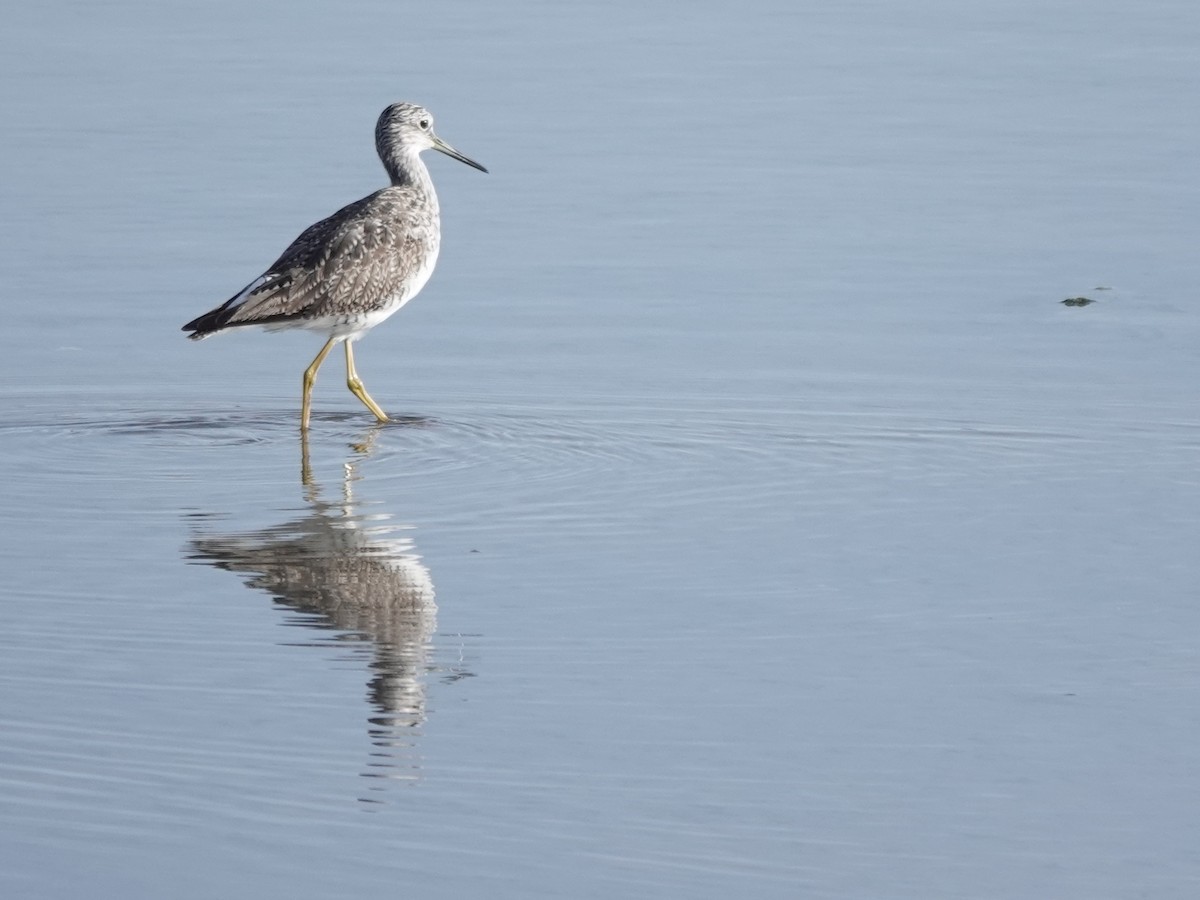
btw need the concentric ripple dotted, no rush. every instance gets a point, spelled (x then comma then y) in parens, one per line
(536, 446)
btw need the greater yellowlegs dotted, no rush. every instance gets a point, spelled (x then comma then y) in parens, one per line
(347, 273)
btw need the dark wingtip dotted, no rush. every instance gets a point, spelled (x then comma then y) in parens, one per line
(203, 326)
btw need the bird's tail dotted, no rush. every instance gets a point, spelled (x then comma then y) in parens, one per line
(207, 324)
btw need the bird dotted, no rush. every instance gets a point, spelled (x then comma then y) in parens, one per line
(347, 273)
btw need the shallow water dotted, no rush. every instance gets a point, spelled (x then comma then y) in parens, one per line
(756, 519)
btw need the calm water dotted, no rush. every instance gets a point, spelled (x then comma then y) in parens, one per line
(757, 521)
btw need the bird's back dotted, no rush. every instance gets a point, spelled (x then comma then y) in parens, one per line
(361, 263)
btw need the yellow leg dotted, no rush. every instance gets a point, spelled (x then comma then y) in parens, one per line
(356, 386)
(310, 378)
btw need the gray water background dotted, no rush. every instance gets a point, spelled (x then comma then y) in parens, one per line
(757, 523)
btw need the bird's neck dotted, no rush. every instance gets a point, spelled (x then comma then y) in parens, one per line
(407, 170)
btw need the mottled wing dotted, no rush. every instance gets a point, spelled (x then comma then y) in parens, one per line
(343, 265)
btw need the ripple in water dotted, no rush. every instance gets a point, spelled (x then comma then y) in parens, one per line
(527, 448)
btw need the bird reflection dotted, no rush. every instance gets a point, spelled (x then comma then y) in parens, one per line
(346, 570)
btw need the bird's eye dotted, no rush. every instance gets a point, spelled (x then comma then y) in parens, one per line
(424, 124)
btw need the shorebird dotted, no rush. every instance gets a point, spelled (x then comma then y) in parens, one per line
(345, 274)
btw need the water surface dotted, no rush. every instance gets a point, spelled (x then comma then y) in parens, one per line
(756, 521)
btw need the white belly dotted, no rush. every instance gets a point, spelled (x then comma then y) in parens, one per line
(352, 326)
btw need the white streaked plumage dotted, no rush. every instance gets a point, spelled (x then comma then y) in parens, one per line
(347, 273)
